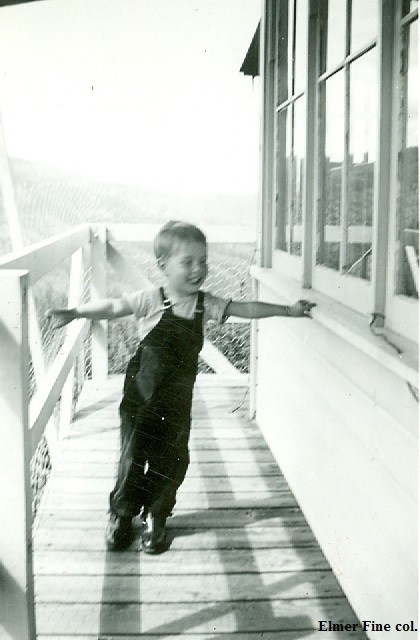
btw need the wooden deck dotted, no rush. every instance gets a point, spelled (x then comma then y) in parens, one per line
(243, 564)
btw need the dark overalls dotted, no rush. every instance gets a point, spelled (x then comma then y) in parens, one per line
(156, 415)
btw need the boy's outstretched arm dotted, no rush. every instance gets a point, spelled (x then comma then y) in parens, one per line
(105, 309)
(255, 309)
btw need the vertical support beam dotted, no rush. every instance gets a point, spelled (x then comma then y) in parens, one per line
(281, 188)
(12, 217)
(99, 290)
(318, 238)
(8, 192)
(382, 190)
(265, 216)
(311, 101)
(267, 75)
(253, 358)
(17, 619)
(74, 297)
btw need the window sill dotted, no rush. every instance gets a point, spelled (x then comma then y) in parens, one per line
(351, 326)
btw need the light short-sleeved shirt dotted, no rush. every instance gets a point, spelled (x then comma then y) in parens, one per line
(147, 307)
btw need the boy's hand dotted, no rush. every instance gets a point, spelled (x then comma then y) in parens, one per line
(301, 309)
(61, 317)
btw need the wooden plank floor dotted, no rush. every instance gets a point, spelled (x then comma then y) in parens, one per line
(242, 564)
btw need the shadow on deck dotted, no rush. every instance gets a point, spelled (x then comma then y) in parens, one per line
(242, 563)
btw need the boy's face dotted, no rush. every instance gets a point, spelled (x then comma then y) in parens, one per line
(186, 267)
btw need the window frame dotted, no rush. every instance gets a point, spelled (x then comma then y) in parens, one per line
(284, 260)
(375, 295)
(401, 311)
(358, 293)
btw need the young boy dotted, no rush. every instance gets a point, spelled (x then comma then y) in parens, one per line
(156, 405)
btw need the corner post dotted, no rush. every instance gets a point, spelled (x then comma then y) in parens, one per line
(267, 73)
(386, 147)
(99, 290)
(267, 60)
(309, 207)
(253, 358)
(16, 568)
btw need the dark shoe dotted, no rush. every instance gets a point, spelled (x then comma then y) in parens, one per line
(119, 532)
(153, 536)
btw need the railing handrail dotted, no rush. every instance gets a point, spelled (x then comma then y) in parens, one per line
(42, 257)
(38, 260)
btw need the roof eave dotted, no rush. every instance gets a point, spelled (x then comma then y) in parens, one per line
(250, 65)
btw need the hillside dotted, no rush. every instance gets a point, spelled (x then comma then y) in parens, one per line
(51, 200)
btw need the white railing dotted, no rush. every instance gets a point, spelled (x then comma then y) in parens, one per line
(25, 421)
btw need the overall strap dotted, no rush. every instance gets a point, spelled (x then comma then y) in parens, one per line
(199, 315)
(167, 305)
(199, 309)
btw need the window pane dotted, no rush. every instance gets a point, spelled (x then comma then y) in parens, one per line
(336, 32)
(283, 178)
(408, 212)
(364, 22)
(361, 165)
(296, 204)
(329, 218)
(301, 46)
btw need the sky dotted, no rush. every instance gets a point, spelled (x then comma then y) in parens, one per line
(141, 91)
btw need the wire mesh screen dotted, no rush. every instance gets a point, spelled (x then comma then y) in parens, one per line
(51, 291)
(40, 472)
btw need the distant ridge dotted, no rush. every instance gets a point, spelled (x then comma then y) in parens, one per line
(52, 199)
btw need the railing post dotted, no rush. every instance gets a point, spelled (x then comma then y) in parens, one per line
(17, 619)
(98, 290)
(253, 358)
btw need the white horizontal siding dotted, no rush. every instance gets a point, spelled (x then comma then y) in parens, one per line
(323, 407)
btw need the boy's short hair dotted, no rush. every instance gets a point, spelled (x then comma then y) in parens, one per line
(174, 232)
